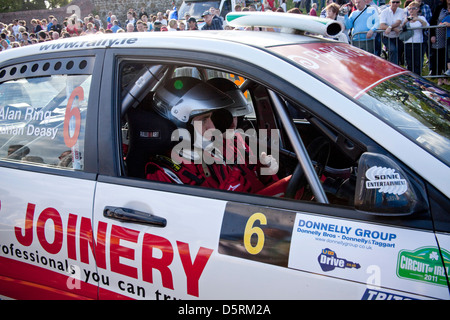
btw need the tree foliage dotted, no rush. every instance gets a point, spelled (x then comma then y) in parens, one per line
(24, 5)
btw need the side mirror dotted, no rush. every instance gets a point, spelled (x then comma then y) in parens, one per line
(383, 188)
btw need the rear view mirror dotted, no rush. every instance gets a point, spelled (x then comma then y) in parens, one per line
(383, 188)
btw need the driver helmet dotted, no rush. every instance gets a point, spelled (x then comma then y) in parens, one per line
(240, 107)
(182, 98)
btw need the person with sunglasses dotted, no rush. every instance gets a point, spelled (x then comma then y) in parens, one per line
(413, 46)
(391, 19)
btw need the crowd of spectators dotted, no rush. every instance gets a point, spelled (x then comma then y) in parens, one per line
(361, 17)
(20, 33)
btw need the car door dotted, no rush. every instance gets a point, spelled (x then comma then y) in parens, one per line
(47, 167)
(166, 241)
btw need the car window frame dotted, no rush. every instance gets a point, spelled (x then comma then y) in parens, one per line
(90, 143)
(110, 168)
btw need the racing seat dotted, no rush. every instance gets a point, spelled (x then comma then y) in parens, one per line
(149, 134)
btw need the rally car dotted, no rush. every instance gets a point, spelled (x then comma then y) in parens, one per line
(363, 155)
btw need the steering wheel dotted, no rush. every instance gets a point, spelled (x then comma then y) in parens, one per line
(319, 152)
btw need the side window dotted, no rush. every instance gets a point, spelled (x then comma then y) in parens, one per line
(42, 120)
(209, 128)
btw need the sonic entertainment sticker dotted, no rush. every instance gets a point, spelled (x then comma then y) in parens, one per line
(328, 261)
(424, 264)
(386, 180)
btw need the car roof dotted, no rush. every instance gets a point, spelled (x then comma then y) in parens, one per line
(173, 40)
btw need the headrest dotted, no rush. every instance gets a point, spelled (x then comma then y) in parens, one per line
(149, 134)
(148, 130)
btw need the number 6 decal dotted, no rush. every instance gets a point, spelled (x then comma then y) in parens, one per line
(250, 230)
(73, 112)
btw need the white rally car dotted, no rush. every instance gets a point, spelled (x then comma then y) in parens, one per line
(362, 145)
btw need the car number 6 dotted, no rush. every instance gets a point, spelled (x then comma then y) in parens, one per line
(251, 230)
(72, 111)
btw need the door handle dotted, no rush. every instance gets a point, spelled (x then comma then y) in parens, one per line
(134, 216)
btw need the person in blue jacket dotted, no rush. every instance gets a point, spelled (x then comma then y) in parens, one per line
(363, 22)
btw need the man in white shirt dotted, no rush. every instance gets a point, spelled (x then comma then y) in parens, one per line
(16, 27)
(390, 21)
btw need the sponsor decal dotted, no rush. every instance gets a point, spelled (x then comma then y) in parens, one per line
(256, 233)
(371, 294)
(124, 258)
(87, 44)
(341, 65)
(424, 264)
(328, 261)
(386, 180)
(346, 235)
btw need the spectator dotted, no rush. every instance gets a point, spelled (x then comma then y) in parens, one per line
(141, 26)
(23, 23)
(305, 4)
(50, 22)
(362, 24)
(210, 23)
(115, 28)
(425, 10)
(148, 24)
(72, 26)
(192, 24)
(55, 35)
(313, 11)
(160, 18)
(130, 19)
(42, 36)
(173, 25)
(173, 14)
(413, 45)
(216, 15)
(108, 18)
(16, 27)
(36, 27)
(323, 13)
(25, 39)
(391, 19)
(157, 25)
(130, 27)
(142, 13)
(90, 28)
(4, 44)
(56, 27)
(44, 24)
(438, 41)
(332, 12)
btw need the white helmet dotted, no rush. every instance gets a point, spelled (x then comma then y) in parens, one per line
(182, 98)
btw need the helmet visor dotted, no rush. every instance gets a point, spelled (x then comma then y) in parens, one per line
(200, 99)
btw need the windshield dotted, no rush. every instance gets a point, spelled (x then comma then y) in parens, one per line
(416, 108)
(195, 9)
(409, 103)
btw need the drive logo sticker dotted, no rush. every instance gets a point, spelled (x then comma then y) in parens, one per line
(328, 261)
(424, 265)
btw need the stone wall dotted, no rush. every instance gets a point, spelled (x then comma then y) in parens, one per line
(84, 7)
(79, 7)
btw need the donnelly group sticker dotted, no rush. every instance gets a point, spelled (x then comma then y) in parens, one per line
(424, 264)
